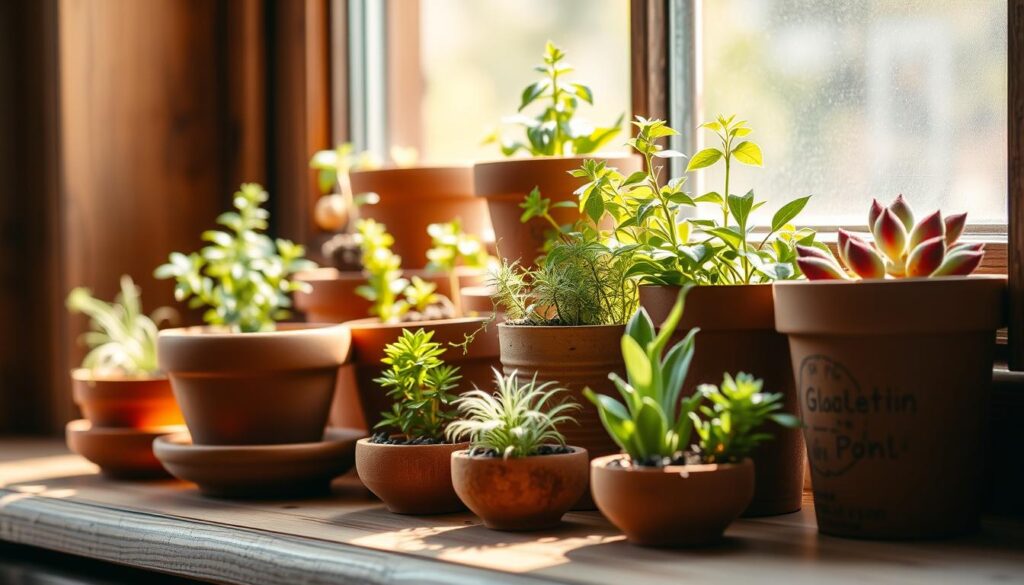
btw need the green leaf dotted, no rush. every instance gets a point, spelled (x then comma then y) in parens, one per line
(788, 212)
(651, 427)
(748, 153)
(532, 92)
(740, 207)
(712, 197)
(669, 154)
(637, 365)
(704, 158)
(583, 92)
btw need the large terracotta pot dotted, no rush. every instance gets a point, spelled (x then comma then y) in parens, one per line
(125, 402)
(893, 378)
(520, 493)
(410, 479)
(673, 506)
(737, 334)
(575, 357)
(254, 388)
(506, 183)
(413, 198)
(370, 337)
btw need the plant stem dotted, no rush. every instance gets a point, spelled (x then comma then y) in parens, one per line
(554, 108)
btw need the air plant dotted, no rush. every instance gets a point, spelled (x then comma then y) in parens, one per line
(901, 248)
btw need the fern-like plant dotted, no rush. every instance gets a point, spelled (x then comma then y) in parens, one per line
(243, 276)
(518, 420)
(123, 339)
(420, 385)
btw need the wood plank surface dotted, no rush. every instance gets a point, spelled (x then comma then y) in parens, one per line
(55, 500)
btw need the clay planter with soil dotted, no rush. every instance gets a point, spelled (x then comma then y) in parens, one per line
(506, 183)
(576, 357)
(409, 478)
(125, 401)
(893, 378)
(737, 334)
(671, 506)
(525, 493)
(413, 198)
(370, 336)
(254, 388)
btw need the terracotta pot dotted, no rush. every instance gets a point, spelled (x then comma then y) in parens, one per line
(333, 297)
(413, 198)
(409, 479)
(120, 453)
(506, 183)
(141, 402)
(370, 336)
(674, 506)
(527, 493)
(476, 300)
(737, 334)
(893, 378)
(254, 388)
(260, 471)
(575, 357)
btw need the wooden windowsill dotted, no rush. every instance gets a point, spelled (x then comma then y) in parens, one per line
(54, 500)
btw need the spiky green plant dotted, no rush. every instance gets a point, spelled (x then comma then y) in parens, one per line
(727, 424)
(515, 421)
(420, 385)
(123, 339)
(243, 276)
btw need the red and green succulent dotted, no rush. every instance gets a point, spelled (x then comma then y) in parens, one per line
(901, 248)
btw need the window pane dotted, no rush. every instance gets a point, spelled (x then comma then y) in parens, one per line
(478, 55)
(852, 100)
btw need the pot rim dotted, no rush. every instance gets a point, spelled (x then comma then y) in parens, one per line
(603, 462)
(413, 169)
(84, 426)
(602, 155)
(513, 326)
(464, 454)
(85, 375)
(365, 441)
(879, 282)
(211, 332)
(376, 323)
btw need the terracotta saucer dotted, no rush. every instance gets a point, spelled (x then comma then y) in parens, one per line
(121, 453)
(260, 471)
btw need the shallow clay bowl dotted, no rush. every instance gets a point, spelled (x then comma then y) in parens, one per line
(260, 471)
(121, 453)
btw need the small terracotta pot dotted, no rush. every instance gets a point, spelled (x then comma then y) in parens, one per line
(254, 388)
(737, 334)
(120, 453)
(506, 183)
(409, 479)
(413, 198)
(575, 357)
(141, 402)
(527, 493)
(674, 506)
(333, 297)
(370, 336)
(893, 378)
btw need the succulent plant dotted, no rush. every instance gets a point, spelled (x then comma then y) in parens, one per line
(901, 248)
(516, 421)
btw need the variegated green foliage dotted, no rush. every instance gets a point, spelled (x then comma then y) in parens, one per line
(555, 131)
(123, 339)
(516, 420)
(728, 424)
(243, 275)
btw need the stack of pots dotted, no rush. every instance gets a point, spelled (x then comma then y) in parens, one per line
(123, 415)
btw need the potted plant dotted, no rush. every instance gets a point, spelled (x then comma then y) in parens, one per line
(518, 473)
(731, 264)
(125, 399)
(408, 465)
(663, 491)
(893, 362)
(556, 140)
(564, 321)
(398, 303)
(241, 379)
(337, 209)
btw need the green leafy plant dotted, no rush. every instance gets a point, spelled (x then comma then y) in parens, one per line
(555, 131)
(420, 384)
(518, 420)
(536, 205)
(582, 281)
(451, 247)
(701, 250)
(243, 275)
(654, 424)
(383, 268)
(123, 339)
